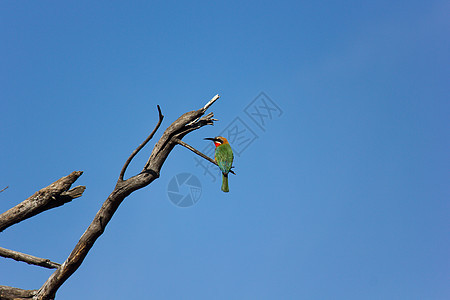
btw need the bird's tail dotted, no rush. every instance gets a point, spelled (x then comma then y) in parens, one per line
(225, 183)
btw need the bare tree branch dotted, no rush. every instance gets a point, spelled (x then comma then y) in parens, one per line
(177, 130)
(207, 105)
(210, 102)
(180, 142)
(4, 188)
(12, 293)
(29, 259)
(73, 193)
(125, 166)
(54, 195)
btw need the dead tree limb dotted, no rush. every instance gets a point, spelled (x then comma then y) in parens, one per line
(4, 188)
(186, 123)
(29, 259)
(12, 293)
(125, 166)
(54, 195)
(186, 145)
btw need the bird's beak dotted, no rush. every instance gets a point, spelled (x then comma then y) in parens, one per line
(211, 139)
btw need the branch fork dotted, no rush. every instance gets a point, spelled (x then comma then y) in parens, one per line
(171, 137)
(60, 193)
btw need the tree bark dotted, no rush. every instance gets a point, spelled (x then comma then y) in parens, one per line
(29, 259)
(54, 195)
(12, 293)
(58, 193)
(188, 122)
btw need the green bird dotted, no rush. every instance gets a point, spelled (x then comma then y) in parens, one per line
(224, 159)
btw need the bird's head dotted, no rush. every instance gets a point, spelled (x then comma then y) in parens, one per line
(218, 140)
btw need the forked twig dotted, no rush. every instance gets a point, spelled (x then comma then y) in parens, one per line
(125, 166)
(56, 194)
(180, 142)
(186, 123)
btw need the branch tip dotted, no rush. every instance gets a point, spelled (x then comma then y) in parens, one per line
(211, 102)
(29, 259)
(56, 194)
(159, 112)
(127, 163)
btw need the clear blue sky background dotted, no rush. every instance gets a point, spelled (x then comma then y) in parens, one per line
(343, 196)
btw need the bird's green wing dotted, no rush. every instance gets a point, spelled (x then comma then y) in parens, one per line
(224, 157)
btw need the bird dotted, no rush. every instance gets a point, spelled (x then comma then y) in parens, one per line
(224, 158)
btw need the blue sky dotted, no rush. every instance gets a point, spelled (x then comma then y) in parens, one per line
(340, 196)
